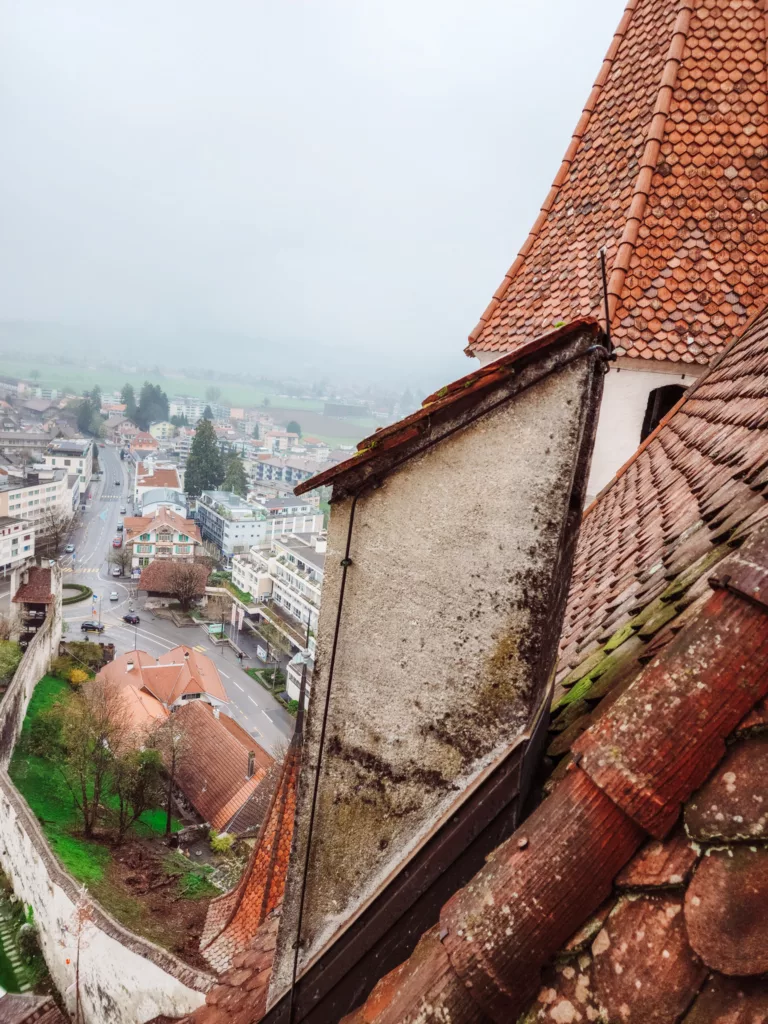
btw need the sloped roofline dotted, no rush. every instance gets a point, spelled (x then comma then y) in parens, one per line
(560, 177)
(439, 405)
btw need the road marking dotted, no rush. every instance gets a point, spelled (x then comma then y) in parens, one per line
(224, 674)
(199, 647)
(264, 712)
(250, 698)
(238, 685)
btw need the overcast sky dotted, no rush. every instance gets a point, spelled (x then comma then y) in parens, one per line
(344, 175)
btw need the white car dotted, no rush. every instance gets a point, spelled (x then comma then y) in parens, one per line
(116, 571)
(114, 596)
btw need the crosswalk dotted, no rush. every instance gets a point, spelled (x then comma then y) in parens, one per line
(111, 497)
(69, 568)
(199, 647)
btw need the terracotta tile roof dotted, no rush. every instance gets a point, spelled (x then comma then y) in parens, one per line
(135, 525)
(145, 710)
(446, 403)
(214, 775)
(29, 1009)
(160, 478)
(37, 590)
(158, 576)
(144, 441)
(233, 919)
(666, 169)
(579, 916)
(184, 670)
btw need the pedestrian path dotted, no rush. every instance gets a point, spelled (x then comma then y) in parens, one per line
(69, 568)
(8, 944)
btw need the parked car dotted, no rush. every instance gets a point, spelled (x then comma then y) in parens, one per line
(92, 627)
(116, 571)
(117, 542)
(118, 483)
(120, 526)
(122, 510)
(131, 619)
(114, 596)
(70, 548)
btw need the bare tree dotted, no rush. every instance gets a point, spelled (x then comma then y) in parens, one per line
(6, 627)
(122, 558)
(52, 530)
(186, 581)
(95, 730)
(172, 740)
(135, 781)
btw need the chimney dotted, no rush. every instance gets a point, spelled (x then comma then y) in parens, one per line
(475, 614)
(251, 763)
(129, 666)
(186, 655)
(215, 711)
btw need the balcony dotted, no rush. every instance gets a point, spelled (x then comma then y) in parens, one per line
(285, 623)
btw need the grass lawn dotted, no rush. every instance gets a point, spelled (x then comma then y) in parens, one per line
(109, 872)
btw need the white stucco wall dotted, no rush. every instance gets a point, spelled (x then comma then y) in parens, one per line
(124, 979)
(625, 397)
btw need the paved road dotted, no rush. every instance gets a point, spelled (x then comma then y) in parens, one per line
(250, 704)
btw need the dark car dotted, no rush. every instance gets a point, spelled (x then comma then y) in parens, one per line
(133, 620)
(118, 483)
(92, 627)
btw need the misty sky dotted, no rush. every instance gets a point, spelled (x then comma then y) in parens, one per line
(345, 174)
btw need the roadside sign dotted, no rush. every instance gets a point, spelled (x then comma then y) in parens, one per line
(261, 653)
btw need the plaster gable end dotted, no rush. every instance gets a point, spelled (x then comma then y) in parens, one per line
(460, 562)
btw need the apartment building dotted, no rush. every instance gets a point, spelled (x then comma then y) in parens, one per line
(288, 470)
(193, 408)
(75, 455)
(234, 525)
(152, 473)
(40, 492)
(17, 543)
(163, 431)
(279, 440)
(24, 440)
(164, 535)
(286, 583)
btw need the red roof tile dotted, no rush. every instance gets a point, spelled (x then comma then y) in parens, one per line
(37, 589)
(214, 774)
(666, 170)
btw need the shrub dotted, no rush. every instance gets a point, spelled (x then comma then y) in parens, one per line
(221, 842)
(77, 677)
(10, 656)
(86, 653)
(81, 592)
(62, 666)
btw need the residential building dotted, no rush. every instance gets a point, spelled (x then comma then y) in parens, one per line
(183, 441)
(113, 411)
(157, 497)
(164, 535)
(24, 440)
(17, 543)
(286, 583)
(279, 440)
(291, 470)
(225, 769)
(75, 455)
(122, 431)
(40, 492)
(152, 473)
(234, 525)
(143, 442)
(163, 431)
(156, 687)
(193, 409)
(288, 506)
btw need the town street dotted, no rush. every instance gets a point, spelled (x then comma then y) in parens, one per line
(250, 704)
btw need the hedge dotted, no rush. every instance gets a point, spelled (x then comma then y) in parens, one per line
(83, 593)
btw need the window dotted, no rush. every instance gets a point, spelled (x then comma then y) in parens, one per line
(660, 401)
(144, 536)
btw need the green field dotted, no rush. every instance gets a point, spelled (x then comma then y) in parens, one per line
(78, 378)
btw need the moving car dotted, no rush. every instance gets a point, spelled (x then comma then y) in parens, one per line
(118, 483)
(131, 619)
(117, 542)
(92, 627)
(122, 510)
(116, 571)
(70, 548)
(114, 596)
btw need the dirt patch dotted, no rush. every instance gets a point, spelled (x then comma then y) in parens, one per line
(156, 892)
